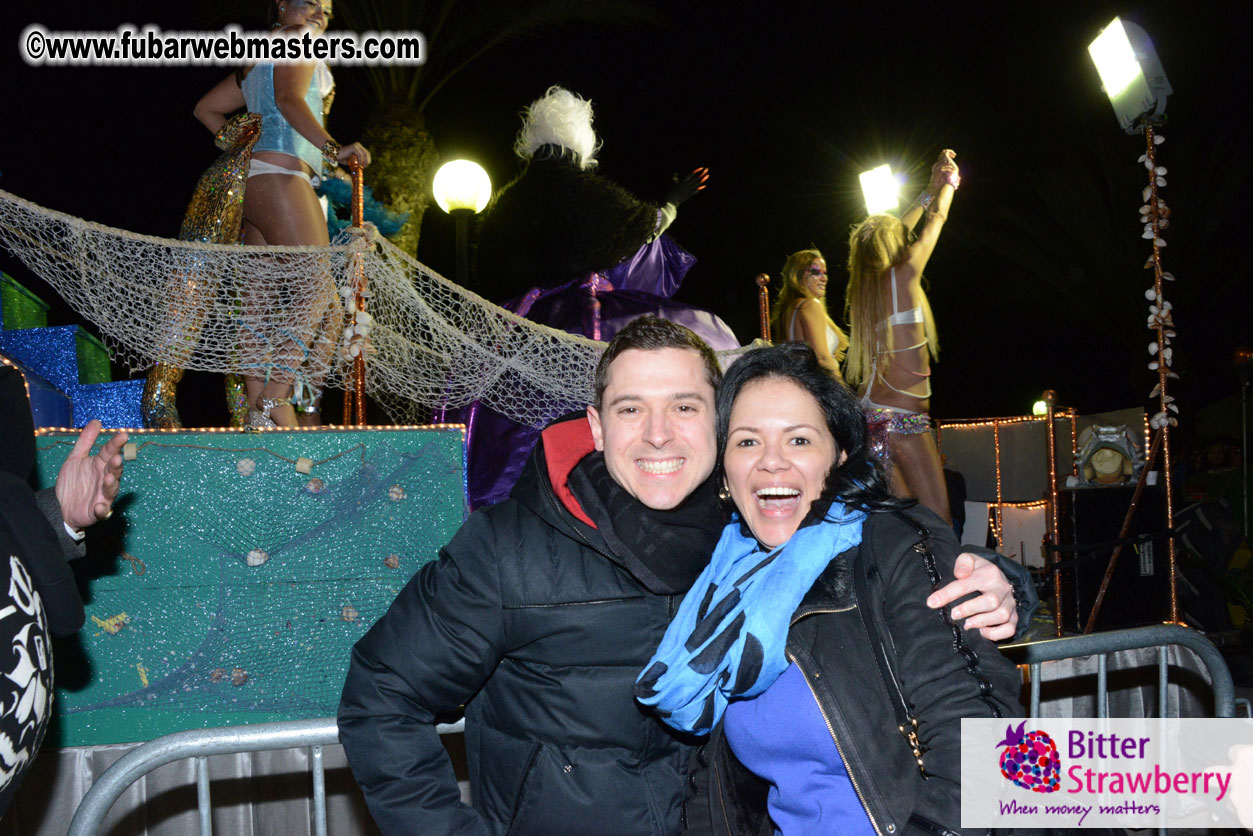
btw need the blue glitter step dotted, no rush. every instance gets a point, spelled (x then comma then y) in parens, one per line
(50, 352)
(66, 367)
(49, 406)
(116, 404)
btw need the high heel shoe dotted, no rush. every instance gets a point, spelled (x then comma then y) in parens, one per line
(260, 418)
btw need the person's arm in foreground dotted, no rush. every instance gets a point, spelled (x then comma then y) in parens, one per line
(290, 83)
(85, 488)
(224, 99)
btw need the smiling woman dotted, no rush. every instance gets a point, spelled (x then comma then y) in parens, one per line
(800, 312)
(806, 647)
(778, 454)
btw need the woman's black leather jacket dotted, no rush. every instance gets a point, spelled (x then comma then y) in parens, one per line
(942, 672)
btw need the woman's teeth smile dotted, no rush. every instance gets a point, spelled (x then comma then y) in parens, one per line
(778, 499)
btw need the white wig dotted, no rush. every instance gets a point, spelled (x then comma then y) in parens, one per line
(560, 118)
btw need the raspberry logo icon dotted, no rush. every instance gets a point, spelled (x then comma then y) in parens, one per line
(1030, 759)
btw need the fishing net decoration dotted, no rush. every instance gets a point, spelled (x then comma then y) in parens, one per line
(434, 344)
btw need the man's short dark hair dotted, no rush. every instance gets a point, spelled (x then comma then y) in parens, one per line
(652, 333)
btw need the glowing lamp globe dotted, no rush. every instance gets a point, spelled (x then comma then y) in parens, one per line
(880, 189)
(462, 184)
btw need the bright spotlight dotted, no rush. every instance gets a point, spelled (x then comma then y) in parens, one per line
(1115, 60)
(1039, 408)
(1131, 73)
(880, 189)
(461, 184)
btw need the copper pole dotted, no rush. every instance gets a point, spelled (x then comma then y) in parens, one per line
(1164, 322)
(354, 392)
(358, 283)
(1049, 556)
(347, 421)
(763, 304)
(996, 514)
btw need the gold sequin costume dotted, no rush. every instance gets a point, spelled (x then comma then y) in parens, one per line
(214, 216)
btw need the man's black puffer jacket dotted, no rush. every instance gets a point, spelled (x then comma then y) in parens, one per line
(531, 622)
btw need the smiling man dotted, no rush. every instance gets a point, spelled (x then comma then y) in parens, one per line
(542, 610)
(652, 423)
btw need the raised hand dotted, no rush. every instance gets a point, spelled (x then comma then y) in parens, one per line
(944, 170)
(87, 484)
(688, 186)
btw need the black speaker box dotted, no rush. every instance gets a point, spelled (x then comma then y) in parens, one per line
(1139, 590)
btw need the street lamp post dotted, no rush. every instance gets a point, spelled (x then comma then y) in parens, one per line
(462, 189)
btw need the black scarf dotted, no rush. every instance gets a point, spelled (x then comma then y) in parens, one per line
(664, 550)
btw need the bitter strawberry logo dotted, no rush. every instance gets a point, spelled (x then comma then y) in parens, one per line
(1030, 759)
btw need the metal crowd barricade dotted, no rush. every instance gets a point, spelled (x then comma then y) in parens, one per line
(1100, 645)
(1161, 636)
(140, 761)
(200, 744)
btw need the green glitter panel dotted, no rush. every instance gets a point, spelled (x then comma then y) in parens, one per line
(19, 308)
(93, 359)
(229, 587)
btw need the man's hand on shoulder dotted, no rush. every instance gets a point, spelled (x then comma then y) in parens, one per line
(993, 611)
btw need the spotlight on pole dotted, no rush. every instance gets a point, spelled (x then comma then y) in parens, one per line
(880, 189)
(1131, 74)
(462, 189)
(1039, 408)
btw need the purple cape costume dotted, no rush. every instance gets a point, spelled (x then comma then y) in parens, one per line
(559, 222)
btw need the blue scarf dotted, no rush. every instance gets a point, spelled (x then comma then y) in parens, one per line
(729, 637)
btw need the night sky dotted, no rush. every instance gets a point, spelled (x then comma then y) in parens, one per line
(1037, 280)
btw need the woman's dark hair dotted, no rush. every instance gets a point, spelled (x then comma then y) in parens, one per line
(860, 481)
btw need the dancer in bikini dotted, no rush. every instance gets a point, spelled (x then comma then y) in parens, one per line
(280, 206)
(893, 335)
(800, 312)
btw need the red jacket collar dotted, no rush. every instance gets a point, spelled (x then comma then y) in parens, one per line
(565, 445)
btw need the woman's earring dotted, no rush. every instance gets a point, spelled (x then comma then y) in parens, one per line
(724, 493)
